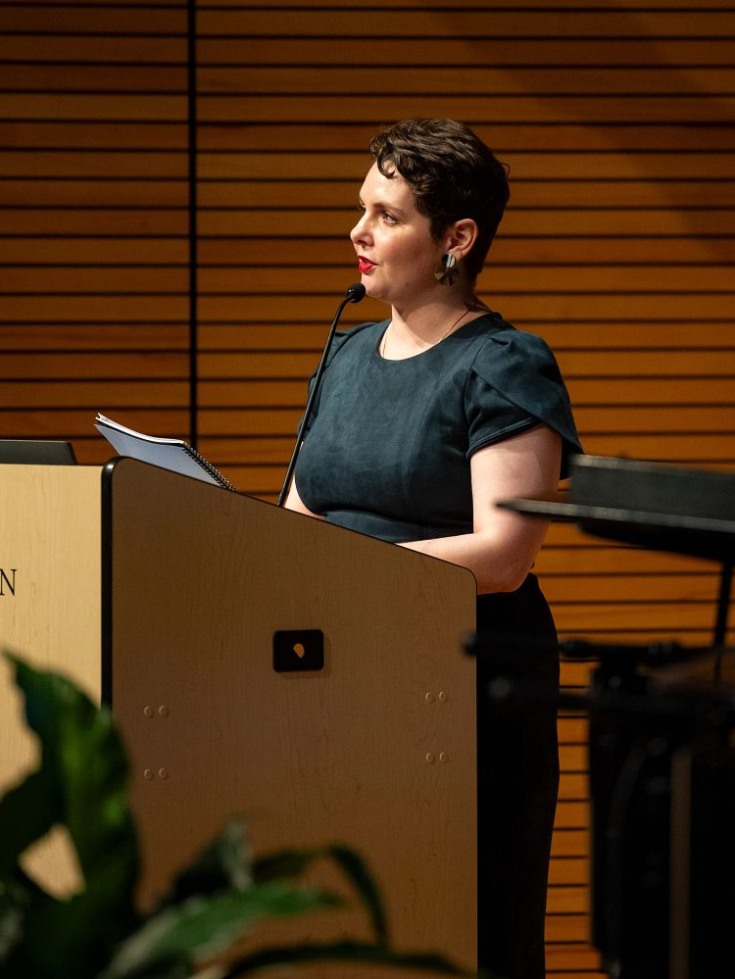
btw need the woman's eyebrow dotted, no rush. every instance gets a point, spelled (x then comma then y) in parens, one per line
(384, 206)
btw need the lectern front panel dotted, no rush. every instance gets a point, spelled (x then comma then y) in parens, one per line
(373, 747)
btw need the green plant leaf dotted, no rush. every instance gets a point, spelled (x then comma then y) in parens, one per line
(224, 864)
(202, 927)
(96, 934)
(293, 863)
(27, 812)
(11, 926)
(83, 761)
(355, 868)
(347, 951)
(83, 780)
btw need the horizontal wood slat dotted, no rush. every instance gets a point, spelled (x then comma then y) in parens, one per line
(89, 193)
(568, 928)
(80, 308)
(574, 136)
(589, 5)
(633, 588)
(569, 551)
(504, 5)
(75, 165)
(34, 135)
(617, 109)
(56, 281)
(85, 78)
(649, 81)
(553, 193)
(90, 250)
(530, 139)
(665, 390)
(140, 50)
(467, 80)
(141, 106)
(238, 163)
(69, 19)
(77, 365)
(680, 53)
(329, 21)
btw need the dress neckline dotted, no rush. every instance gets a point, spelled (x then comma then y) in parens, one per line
(422, 353)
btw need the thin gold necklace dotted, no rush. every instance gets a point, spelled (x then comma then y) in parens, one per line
(442, 337)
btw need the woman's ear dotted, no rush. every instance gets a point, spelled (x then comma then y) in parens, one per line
(460, 237)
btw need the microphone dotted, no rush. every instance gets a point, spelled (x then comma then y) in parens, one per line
(353, 294)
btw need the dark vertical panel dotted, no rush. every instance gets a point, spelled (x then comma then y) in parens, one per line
(193, 146)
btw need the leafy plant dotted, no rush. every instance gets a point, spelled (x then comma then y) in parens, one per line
(97, 933)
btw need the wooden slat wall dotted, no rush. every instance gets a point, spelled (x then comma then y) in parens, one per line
(617, 121)
(94, 234)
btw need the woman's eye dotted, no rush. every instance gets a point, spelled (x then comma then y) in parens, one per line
(388, 218)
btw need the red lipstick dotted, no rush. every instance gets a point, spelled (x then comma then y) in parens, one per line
(364, 264)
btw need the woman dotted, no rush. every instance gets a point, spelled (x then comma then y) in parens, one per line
(425, 420)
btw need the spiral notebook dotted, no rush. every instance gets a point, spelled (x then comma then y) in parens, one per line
(172, 454)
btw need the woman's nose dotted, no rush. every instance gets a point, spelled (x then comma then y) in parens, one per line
(359, 232)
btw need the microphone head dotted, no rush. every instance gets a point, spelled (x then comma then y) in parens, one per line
(355, 293)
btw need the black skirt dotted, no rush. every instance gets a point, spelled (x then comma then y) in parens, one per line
(518, 777)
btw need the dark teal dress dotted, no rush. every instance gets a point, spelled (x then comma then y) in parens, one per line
(387, 453)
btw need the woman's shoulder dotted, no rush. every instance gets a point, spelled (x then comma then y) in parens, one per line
(522, 368)
(503, 351)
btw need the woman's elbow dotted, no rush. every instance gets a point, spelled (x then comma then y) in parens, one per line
(504, 575)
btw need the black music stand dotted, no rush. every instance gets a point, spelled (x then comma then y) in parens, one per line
(651, 505)
(662, 771)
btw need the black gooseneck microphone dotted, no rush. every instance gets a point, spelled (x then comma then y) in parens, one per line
(354, 294)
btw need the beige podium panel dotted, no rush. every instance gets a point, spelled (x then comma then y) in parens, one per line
(167, 596)
(49, 608)
(376, 750)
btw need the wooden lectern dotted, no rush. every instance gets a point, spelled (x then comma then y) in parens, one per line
(194, 611)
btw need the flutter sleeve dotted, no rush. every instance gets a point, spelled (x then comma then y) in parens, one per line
(514, 384)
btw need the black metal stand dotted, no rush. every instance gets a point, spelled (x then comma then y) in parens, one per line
(662, 799)
(662, 768)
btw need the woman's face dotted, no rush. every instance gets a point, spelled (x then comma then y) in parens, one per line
(396, 254)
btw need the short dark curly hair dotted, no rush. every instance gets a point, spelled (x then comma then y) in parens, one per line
(452, 175)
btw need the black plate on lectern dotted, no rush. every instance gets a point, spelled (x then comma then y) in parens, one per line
(667, 508)
(298, 650)
(36, 452)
